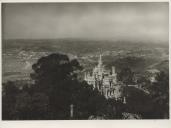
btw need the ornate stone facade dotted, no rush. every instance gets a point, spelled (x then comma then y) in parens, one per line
(104, 80)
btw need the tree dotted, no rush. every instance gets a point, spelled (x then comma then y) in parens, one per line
(23, 106)
(55, 88)
(56, 76)
(159, 91)
(23, 103)
(31, 107)
(143, 82)
(9, 93)
(138, 102)
(126, 76)
(54, 68)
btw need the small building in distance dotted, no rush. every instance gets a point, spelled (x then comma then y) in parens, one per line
(105, 81)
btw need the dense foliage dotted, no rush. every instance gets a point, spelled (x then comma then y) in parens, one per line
(55, 88)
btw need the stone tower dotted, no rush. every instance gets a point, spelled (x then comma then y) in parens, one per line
(104, 80)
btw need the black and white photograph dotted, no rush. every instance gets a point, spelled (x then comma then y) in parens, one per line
(85, 61)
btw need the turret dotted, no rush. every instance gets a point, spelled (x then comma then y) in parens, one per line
(114, 75)
(113, 70)
(100, 61)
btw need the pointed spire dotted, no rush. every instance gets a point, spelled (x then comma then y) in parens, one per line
(100, 60)
(113, 70)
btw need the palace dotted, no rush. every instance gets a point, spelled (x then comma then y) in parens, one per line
(104, 80)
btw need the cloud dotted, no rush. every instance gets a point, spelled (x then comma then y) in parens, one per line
(116, 21)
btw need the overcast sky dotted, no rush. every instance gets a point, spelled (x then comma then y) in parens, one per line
(116, 21)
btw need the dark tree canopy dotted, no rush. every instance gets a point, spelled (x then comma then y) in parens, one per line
(159, 91)
(56, 87)
(54, 68)
(126, 76)
(10, 92)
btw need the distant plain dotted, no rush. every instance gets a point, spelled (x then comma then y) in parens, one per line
(18, 55)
